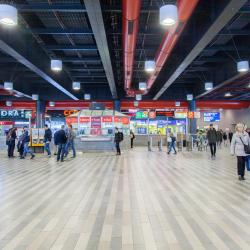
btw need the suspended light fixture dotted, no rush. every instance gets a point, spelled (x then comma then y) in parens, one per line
(52, 104)
(56, 65)
(35, 97)
(242, 66)
(177, 104)
(190, 97)
(138, 97)
(8, 103)
(209, 85)
(142, 85)
(87, 97)
(168, 15)
(136, 104)
(228, 94)
(8, 85)
(8, 15)
(149, 66)
(76, 85)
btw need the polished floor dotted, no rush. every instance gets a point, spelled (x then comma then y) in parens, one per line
(139, 200)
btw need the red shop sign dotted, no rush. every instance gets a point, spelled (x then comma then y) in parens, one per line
(6, 123)
(118, 119)
(151, 115)
(71, 120)
(125, 120)
(84, 119)
(190, 114)
(107, 119)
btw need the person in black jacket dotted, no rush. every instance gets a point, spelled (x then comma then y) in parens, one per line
(212, 139)
(47, 139)
(11, 141)
(118, 139)
(230, 136)
(132, 137)
(26, 141)
(61, 140)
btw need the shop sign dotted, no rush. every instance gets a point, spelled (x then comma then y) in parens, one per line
(165, 113)
(125, 120)
(118, 119)
(151, 115)
(71, 120)
(197, 115)
(190, 115)
(84, 119)
(180, 115)
(141, 115)
(69, 112)
(95, 122)
(6, 123)
(14, 113)
(107, 119)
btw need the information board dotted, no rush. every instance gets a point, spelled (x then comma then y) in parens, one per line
(141, 115)
(211, 117)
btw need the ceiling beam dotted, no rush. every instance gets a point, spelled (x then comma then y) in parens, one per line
(225, 16)
(94, 12)
(234, 32)
(70, 47)
(83, 59)
(226, 48)
(18, 46)
(245, 96)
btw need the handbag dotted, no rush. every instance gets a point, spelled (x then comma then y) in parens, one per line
(246, 147)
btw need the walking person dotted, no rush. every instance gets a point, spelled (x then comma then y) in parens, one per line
(11, 141)
(47, 139)
(240, 138)
(20, 145)
(132, 137)
(172, 144)
(219, 138)
(212, 139)
(225, 138)
(61, 140)
(118, 140)
(26, 141)
(70, 142)
(230, 136)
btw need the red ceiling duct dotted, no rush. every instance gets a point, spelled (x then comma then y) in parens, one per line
(185, 10)
(130, 24)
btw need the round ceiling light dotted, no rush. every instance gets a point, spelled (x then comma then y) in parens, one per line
(8, 15)
(190, 97)
(76, 85)
(177, 104)
(138, 97)
(8, 103)
(52, 104)
(8, 85)
(228, 94)
(142, 85)
(168, 15)
(56, 65)
(35, 97)
(209, 85)
(242, 66)
(149, 66)
(87, 97)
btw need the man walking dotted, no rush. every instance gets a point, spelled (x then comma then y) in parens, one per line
(61, 142)
(47, 139)
(212, 139)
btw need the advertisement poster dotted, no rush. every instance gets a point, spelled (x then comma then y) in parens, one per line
(96, 122)
(211, 117)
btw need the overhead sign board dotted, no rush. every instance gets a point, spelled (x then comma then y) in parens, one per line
(15, 114)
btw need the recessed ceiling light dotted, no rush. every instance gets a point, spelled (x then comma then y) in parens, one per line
(228, 94)
(168, 15)
(8, 15)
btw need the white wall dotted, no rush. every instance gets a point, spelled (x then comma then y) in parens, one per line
(228, 118)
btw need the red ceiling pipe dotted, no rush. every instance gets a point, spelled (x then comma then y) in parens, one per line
(130, 24)
(185, 10)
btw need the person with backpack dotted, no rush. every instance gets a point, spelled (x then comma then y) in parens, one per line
(132, 137)
(11, 141)
(26, 141)
(240, 141)
(118, 139)
(47, 139)
(172, 144)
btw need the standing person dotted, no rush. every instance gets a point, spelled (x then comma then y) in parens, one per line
(11, 141)
(240, 138)
(230, 136)
(212, 139)
(219, 137)
(26, 141)
(172, 143)
(118, 140)
(20, 144)
(70, 142)
(47, 139)
(61, 140)
(132, 137)
(225, 138)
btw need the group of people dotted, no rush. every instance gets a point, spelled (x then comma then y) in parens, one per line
(63, 140)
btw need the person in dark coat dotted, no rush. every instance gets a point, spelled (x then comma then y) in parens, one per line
(26, 141)
(230, 136)
(20, 144)
(60, 140)
(118, 139)
(172, 144)
(225, 138)
(132, 137)
(47, 139)
(11, 141)
(219, 138)
(212, 139)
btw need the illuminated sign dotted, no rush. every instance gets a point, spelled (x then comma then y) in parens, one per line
(151, 115)
(14, 113)
(190, 114)
(165, 113)
(141, 115)
(69, 112)
(107, 119)
(211, 117)
(180, 115)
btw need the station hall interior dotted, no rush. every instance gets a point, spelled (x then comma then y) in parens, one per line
(124, 124)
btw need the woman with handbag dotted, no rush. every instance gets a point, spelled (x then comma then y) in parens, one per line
(240, 147)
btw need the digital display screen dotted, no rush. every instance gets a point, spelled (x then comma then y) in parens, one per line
(211, 117)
